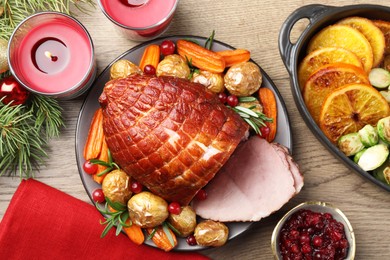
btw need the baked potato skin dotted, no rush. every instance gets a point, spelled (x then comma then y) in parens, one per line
(243, 79)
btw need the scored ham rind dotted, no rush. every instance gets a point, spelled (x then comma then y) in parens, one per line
(255, 182)
(169, 134)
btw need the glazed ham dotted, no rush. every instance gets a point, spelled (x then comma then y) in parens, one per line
(171, 135)
(257, 180)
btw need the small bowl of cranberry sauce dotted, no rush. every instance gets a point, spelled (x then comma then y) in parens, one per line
(313, 230)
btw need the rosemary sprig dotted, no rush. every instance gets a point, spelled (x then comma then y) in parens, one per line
(111, 165)
(253, 118)
(193, 69)
(209, 42)
(118, 217)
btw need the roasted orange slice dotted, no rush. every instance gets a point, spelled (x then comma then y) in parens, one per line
(384, 26)
(323, 56)
(373, 34)
(345, 37)
(349, 108)
(326, 79)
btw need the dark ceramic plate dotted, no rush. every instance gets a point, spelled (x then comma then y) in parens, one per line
(320, 16)
(90, 105)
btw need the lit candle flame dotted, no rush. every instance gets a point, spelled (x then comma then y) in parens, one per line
(50, 56)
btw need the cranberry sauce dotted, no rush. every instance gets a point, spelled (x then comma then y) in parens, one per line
(312, 235)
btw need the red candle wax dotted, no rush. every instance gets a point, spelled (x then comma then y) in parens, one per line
(54, 56)
(138, 13)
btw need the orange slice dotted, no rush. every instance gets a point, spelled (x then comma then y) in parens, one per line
(323, 56)
(349, 108)
(326, 79)
(384, 26)
(373, 34)
(345, 37)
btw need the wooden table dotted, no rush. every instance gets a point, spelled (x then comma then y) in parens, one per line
(252, 25)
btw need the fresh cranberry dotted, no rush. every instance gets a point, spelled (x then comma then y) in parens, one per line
(136, 187)
(222, 97)
(294, 249)
(294, 234)
(98, 196)
(305, 238)
(306, 248)
(150, 70)
(264, 130)
(317, 241)
(174, 208)
(191, 240)
(89, 167)
(201, 195)
(167, 47)
(232, 100)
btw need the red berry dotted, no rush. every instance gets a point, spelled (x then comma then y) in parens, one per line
(191, 240)
(306, 248)
(201, 195)
(304, 239)
(98, 196)
(174, 208)
(90, 168)
(264, 131)
(167, 47)
(317, 241)
(232, 100)
(150, 70)
(136, 187)
(222, 97)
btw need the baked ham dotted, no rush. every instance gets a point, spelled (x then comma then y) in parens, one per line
(169, 134)
(258, 179)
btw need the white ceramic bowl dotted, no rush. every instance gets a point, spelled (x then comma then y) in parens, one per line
(321, 207)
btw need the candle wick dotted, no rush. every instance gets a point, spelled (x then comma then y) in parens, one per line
(50, 56)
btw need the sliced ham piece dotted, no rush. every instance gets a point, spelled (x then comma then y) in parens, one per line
(257, 180)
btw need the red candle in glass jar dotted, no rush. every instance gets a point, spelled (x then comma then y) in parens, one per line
(140, 19)
(52, 54)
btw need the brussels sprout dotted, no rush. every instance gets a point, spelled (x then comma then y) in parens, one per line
(383, 128)
(379, 78)
(368, 135)
(357, 156)
(211, 233)
(350, 144)
(147, 210)
(383, 173)
(386, 95)
(373, 157)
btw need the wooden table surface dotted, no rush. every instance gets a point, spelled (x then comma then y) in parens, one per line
(253, 25)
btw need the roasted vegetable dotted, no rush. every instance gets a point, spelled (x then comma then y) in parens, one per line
(233, 57)
(201, 57)
(368, 135)
(147, 210)
(212, 81)
(373, 157)
(383, 127)
(95, 138)
(134, 232)
(123, 68)
(379, 78)
(383, 173)
(386, 95)
(116, 186)
(357, 156)
(185, 222)
(243, 79)
(163, 237)
(211, 233)
(270, 109)
(151, 56)
(350, 144)
(173, 65)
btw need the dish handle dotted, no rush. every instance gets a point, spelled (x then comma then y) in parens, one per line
(310, 12)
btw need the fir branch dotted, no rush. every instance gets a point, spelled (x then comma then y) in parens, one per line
(21, 145)
(48, 118)
(15, 11)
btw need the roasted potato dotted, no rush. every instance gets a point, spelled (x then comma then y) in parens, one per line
(254, 105)
(173, 65)
(212, 81)
(185, 222)
(243, 79)
(147, 210)
(116, 186)
(123, 68)
(211, 233)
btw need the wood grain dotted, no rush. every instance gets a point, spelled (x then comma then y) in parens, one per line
(253, 25)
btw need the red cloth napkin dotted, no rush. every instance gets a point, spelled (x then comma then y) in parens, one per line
(44, 223)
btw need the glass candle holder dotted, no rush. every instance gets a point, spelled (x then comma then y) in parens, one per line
(52, 54)
(140, 20)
